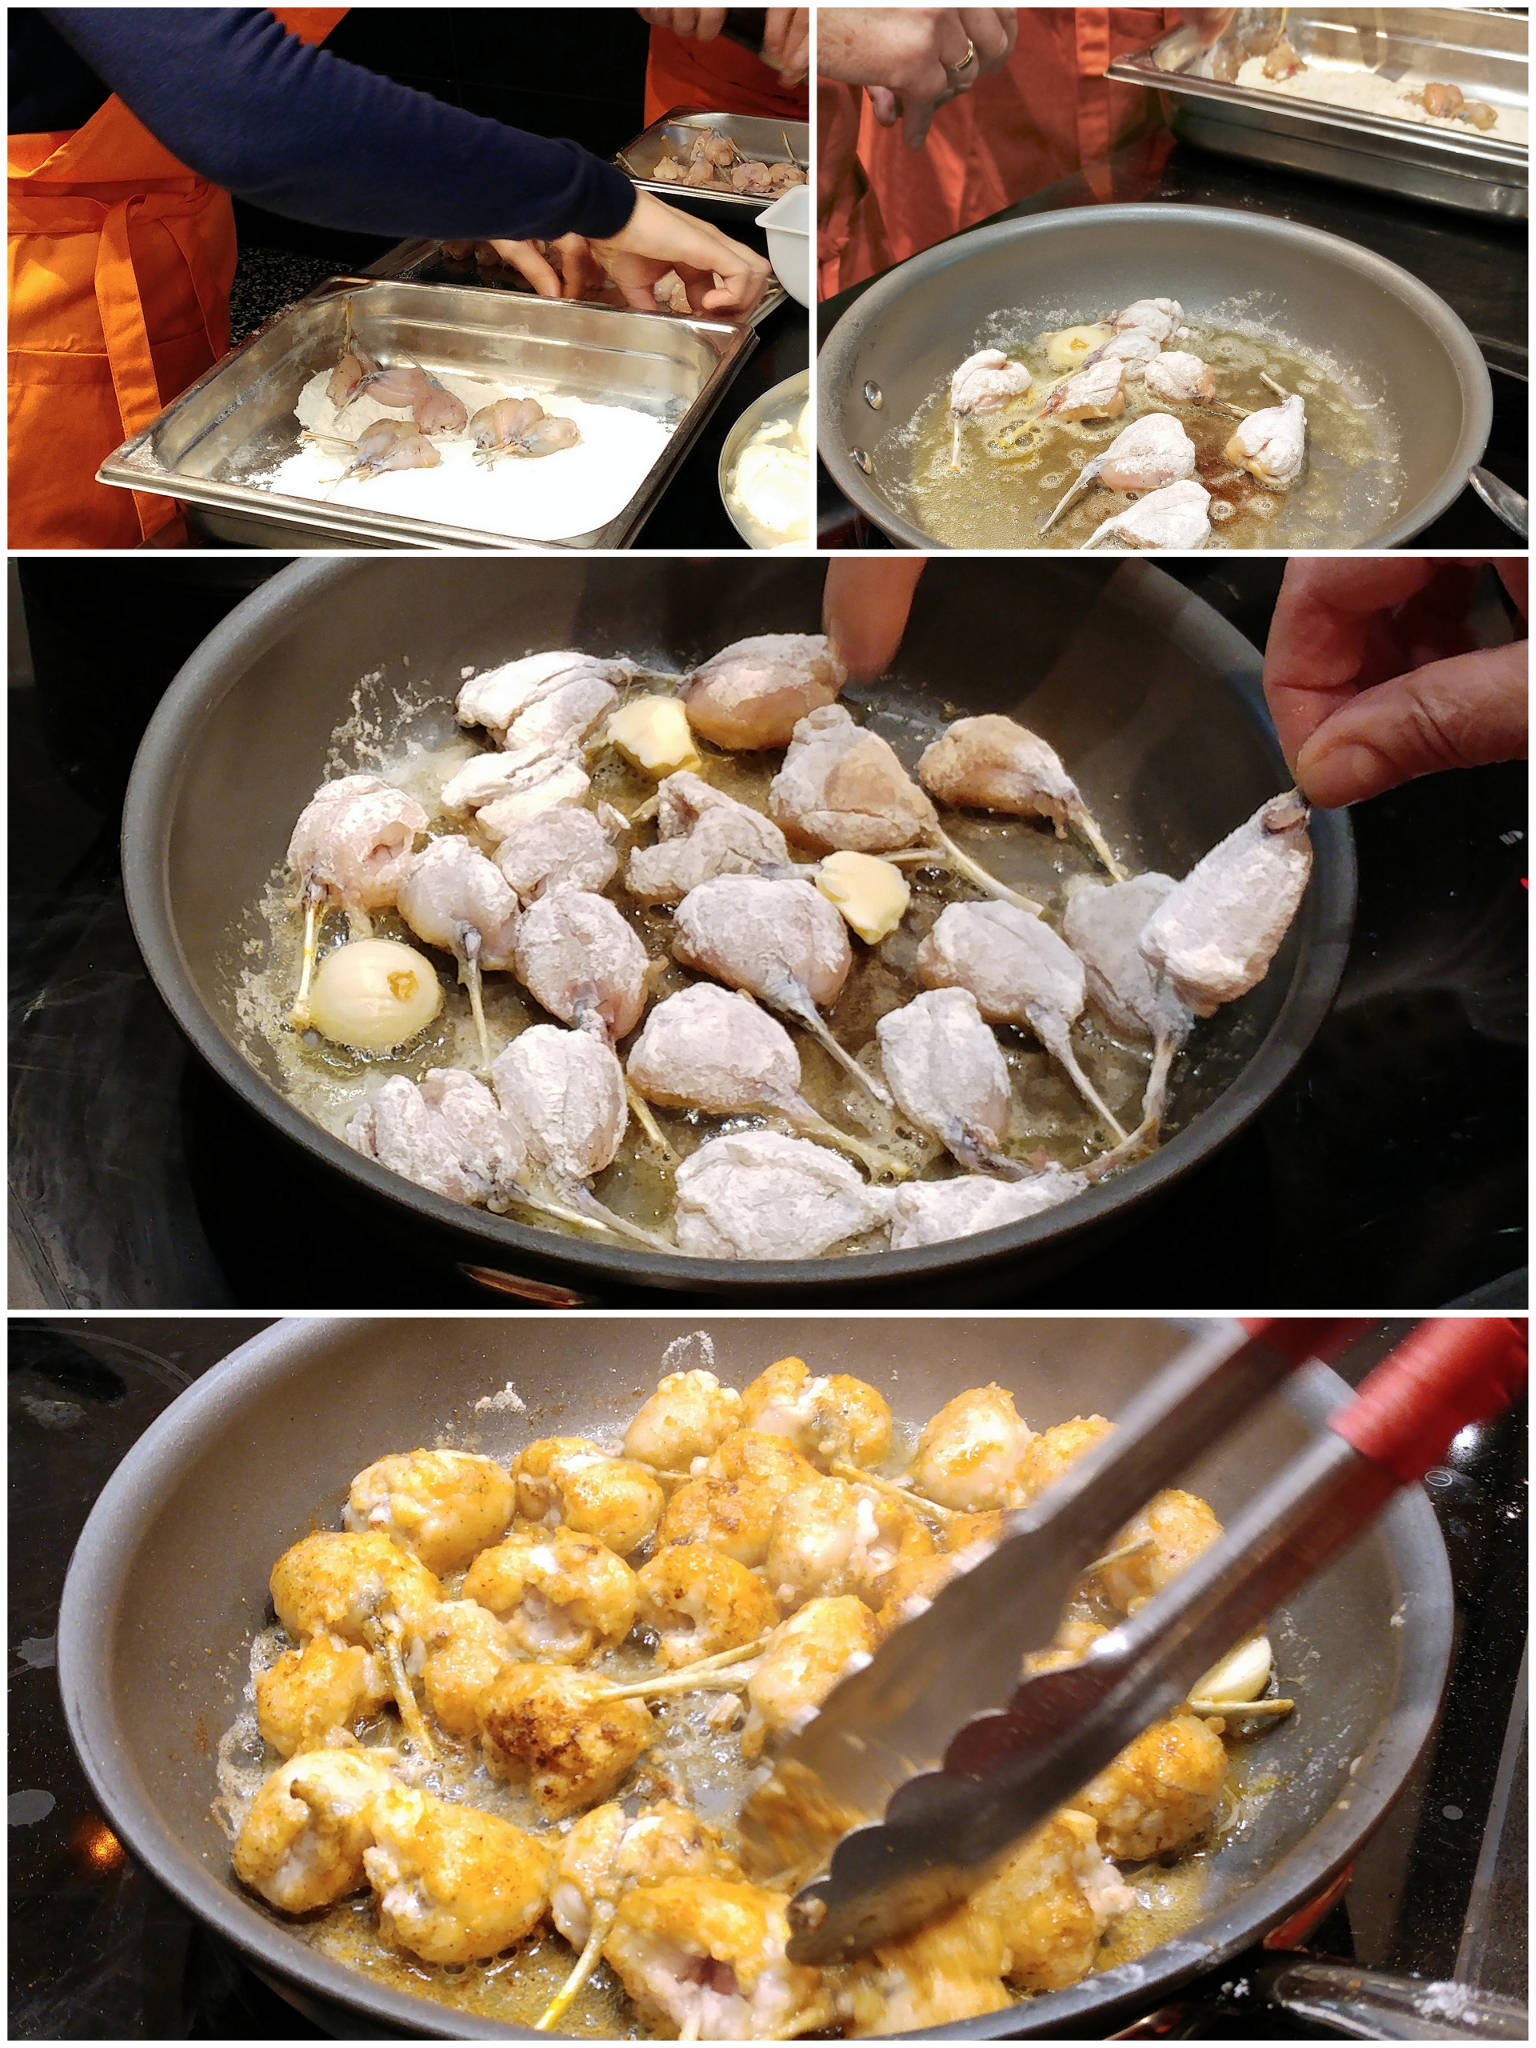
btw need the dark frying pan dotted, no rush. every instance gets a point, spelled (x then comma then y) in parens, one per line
(903, 337)
(169, 1579)
(1151, 697)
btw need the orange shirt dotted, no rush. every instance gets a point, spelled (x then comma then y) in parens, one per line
(1048, 112)
(716, 77)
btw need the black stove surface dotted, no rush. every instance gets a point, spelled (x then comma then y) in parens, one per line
(1391, 1168)
(99, 1950)
(1477, 266)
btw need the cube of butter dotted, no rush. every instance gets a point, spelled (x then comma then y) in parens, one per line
(871, 893)
(653, 734)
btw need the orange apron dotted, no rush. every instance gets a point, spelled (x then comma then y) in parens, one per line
(1048, 112)
(718, 76)
(121, 260)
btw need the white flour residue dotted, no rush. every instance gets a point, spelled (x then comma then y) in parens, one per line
(693, 1353)
(509, 1399)
(1367, 92)
(548, 497)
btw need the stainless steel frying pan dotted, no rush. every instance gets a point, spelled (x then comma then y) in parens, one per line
(1151, 697)
(169, 1580)
(899, 341)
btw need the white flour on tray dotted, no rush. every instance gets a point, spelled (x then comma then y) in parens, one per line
(548, 497)
(1367, 92)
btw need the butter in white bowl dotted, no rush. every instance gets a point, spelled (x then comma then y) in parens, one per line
(765, 476)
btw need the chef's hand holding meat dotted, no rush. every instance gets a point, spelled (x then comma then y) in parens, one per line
(720, 276)
(1374, 675)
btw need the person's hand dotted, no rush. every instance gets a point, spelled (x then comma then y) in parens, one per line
(1374, 676)
(721, 276)
(702, 23)
(787, 43)
(864, 608)
(563, 269)
(910, 58)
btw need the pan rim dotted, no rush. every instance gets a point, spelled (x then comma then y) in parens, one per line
(261, 618)
(834, 359)
(95, 1582)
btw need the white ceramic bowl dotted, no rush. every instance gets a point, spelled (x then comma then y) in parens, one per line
(787, 224)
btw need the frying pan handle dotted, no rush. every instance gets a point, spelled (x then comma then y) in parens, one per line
(542, 1293)
(1450, 1371)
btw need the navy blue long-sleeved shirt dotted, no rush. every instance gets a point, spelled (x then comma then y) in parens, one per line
(301, 132)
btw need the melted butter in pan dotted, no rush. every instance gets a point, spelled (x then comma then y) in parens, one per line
(1013, 471)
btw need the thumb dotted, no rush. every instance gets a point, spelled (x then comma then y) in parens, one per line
(864, 608)
(1458, 713)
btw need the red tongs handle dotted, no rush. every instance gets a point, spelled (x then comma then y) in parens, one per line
(1450, 1371)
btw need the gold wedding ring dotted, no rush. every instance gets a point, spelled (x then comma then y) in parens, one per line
(957, 71)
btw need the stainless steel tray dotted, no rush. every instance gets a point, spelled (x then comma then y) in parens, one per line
(237, 420)
(755, 135)
(1483, 52)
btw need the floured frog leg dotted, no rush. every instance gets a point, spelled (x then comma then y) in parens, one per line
(1216, 933)
(1020, 972)
(948, 1075)
(757, 1195)
(1096, 392)
(563, 1094)
(984, 382)
(993, 763)
(780, 941)
(843, 788)
(1150, 452)
(1175, 518)
(351, 846)
(1104, 928)
(713, 1049)
(451, 895)
(702, 833)
(1272, 444)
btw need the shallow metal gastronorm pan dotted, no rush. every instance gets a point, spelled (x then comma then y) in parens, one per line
(757, 136)
(899, 341)
(237, 419)
(1483, 52)
(1153, 699)
(169, 1580)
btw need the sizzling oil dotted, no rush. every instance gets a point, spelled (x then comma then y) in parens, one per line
(1013, 471)
(419, 747)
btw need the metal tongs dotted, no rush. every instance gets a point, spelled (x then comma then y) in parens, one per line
(922, 1768)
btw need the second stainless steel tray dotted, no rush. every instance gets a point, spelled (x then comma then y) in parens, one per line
(758, 137)
(1482, 52)
(237, 421)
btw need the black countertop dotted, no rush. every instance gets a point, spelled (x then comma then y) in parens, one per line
(99, 1950)
(1477, 265)
(1390, 1168)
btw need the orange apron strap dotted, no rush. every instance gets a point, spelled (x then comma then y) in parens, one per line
(129, 355)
